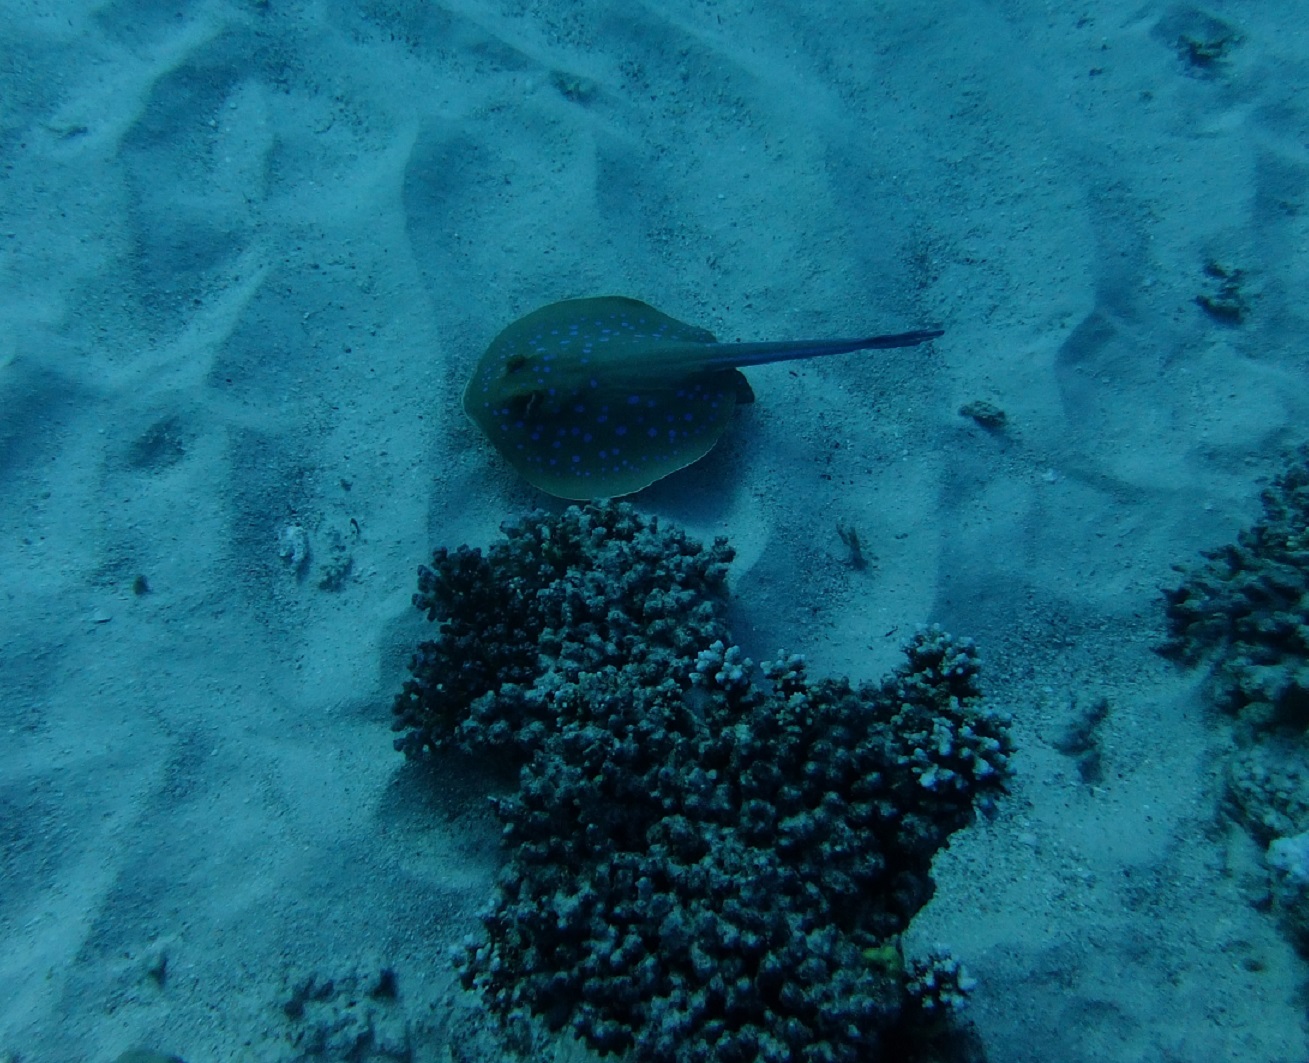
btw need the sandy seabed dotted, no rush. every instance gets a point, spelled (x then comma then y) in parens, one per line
(250, 252)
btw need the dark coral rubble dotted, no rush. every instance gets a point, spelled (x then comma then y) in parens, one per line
(1248, 606)
(707, 860)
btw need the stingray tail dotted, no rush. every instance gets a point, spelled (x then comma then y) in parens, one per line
(740, 355)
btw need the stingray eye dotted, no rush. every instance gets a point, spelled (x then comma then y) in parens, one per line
(514, 363)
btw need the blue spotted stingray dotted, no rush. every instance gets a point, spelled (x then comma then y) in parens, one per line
(596, 398)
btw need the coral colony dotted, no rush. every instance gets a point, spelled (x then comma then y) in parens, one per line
(1245, 610)
(708, 860)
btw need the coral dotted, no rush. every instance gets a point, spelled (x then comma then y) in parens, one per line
(854, 545)
(353, 1016)
(293, 547)
(1248, 605)
(598, 587)
(1226, 301)
(1268, 787)
(986, 414)
(1288, 867)
(938, 983)
(1080, 739)
(706, 859)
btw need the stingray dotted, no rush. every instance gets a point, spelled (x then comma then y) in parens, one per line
(596, 398)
